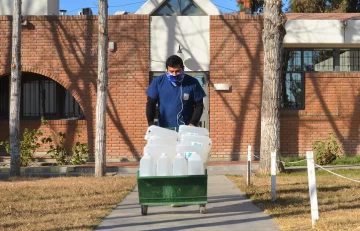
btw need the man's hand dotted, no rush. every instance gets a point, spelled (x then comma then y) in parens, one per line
(192, 125)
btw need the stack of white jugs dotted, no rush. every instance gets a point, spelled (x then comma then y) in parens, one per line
(171, 153)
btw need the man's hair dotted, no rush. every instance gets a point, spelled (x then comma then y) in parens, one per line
(174, 61)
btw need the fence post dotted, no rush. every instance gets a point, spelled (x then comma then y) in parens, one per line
(273, 176)
(312, 187)
(248, 166)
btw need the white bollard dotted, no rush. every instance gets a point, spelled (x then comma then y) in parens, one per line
(312, 187)
(248, 174)
(273, 176)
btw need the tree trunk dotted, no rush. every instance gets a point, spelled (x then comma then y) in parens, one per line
(102, 86)
(14, 120)
(273, 35)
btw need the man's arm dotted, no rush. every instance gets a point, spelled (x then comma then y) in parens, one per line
(150, 110)
(198, 110)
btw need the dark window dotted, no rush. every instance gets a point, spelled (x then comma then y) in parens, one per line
(292, 84)
(322, 60)
(293, 91)
(178, 7)
(4, 97)
(349, 60)
(296, 63)
(41, 97)
(71, 107)
(184, 4)
(192, 10)
(318, 60)
(293, 61)
(165, 10)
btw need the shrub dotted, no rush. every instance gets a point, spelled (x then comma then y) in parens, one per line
(58, 151)
(28, 146)
(327, 151)
(78, 154)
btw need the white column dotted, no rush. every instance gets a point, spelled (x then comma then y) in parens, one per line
(312, 187)
(248, 166)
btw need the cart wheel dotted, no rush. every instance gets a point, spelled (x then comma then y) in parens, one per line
(144, 209)
(202, 209)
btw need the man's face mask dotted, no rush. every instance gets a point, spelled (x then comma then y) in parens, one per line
(175, 74)
(177, 79)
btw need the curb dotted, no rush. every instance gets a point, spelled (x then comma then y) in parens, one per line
(54, 171)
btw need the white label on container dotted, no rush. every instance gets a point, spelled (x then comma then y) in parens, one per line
(188, 154)
(196, 144)
(191, 134)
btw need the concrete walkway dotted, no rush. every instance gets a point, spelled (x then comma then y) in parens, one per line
(227, 209)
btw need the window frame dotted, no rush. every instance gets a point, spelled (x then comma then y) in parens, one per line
(48, 116)
(302, 71)
(302, 74)
(336, 57)
(340, 59)
(283, 76)
(303, 50)
(180, 12)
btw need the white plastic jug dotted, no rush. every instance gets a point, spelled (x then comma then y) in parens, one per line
(163, 166)
(195, 165)
(179, 165)
(193, 131)
(203, 141)
(159, 131)
(147, 166)
(161, 140)
(155, 151)
(201, 150)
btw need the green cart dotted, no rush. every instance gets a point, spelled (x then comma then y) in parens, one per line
(172, 190)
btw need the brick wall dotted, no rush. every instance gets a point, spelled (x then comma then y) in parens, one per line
(332, 100)
(65, 49)
(236, 52)
(332, 104)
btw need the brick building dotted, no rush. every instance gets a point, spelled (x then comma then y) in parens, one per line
(59, 58)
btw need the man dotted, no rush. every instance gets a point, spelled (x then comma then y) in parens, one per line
(180, 97)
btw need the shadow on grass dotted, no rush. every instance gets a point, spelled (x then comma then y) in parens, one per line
(320, 189)
(333, 188)
(333, 202)
(279, 207)
(82, 227)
